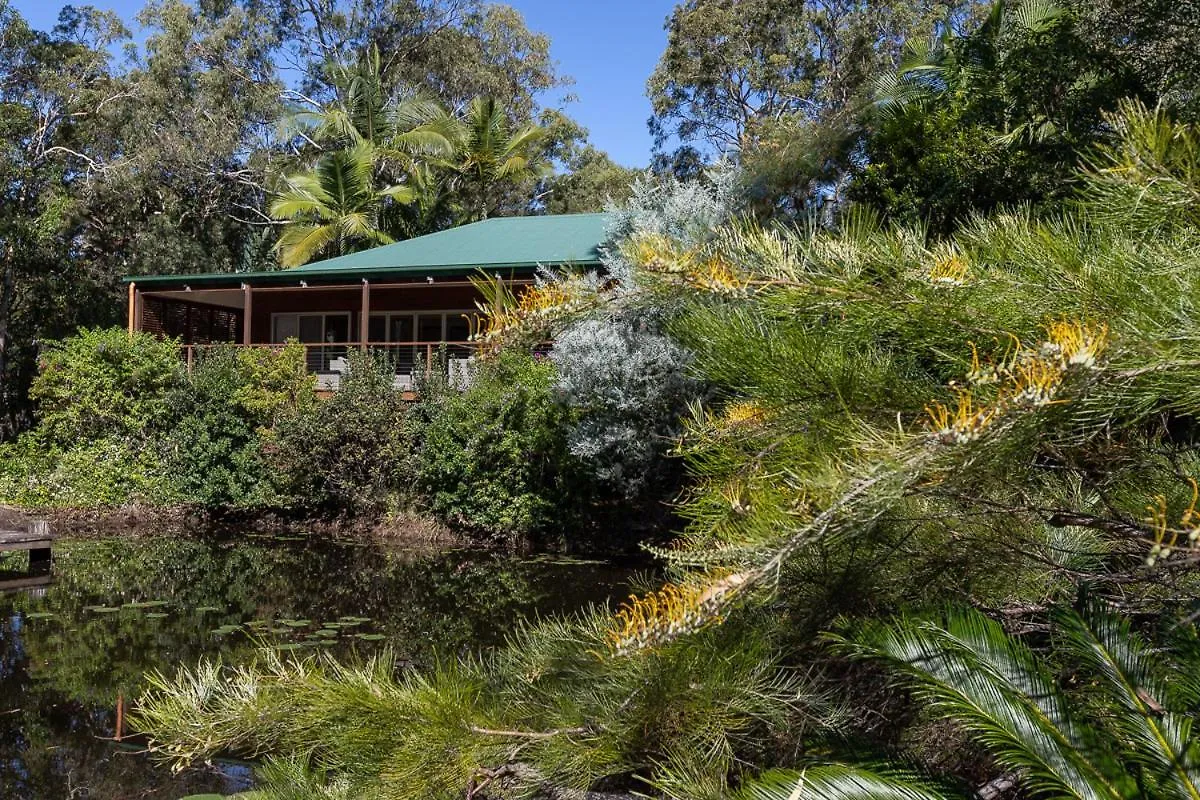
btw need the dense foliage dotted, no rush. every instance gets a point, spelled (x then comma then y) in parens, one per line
(351, 452)
(494, 458)
(929, 338)
(897, 422)
(230, 402)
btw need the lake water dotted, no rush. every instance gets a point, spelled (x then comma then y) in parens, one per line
(117, 608)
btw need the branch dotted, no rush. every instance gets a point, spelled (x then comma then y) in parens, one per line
(1070, 519)
(530, 734)
(532, 775)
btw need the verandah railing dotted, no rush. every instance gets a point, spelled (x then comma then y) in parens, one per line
(330, 359)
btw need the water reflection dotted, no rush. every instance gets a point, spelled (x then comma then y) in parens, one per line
(118, 608)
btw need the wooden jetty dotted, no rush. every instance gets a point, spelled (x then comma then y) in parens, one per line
(37, 539)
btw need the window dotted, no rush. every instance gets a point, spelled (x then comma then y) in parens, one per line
(397, 336)
(325, 335)
(425, 327)
(311, 328)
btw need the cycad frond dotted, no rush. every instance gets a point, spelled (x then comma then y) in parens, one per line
(971, 671)
(1157, 727)
(838, 782)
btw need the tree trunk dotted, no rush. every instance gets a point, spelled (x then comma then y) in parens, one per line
(6, 302)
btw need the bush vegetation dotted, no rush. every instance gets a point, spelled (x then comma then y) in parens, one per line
(895, 421)
(930, 360)
(494, 459)
(350, 453)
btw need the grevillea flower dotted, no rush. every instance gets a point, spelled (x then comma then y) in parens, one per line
(1165, 536)
(674, 610)
(962, 423)
(1078, 344)
(949, 269)
(1026, 377)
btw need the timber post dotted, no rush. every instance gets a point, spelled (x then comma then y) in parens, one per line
(364, 328)
(40, 558)
(247, 312)
(132, 307)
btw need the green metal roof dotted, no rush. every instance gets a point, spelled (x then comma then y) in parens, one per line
(502, 242)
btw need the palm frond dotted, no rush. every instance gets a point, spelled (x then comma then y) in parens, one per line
(299, 244)
(1036, 16)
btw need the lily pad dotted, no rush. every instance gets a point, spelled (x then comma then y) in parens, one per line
(102, 609)
(326, 632)
(146, 604)
(296, 623)
(370, 637)
(39, 615)
(156, 615)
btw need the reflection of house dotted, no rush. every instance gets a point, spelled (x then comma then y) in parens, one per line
(405, 299)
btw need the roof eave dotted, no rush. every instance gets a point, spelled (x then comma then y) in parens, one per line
(324, 276)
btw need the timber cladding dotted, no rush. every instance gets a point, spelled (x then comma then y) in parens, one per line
(191, 323)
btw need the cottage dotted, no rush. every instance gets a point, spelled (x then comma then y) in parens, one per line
(407, 299)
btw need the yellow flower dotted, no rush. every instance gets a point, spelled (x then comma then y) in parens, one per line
(1078, 344)
(672, 611)
(949, 269)
(965, 422)
(742, 413)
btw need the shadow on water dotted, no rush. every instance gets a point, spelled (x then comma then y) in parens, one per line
(117, 608)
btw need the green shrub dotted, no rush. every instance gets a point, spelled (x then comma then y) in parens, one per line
(348, 453)
(104, 383)
(494, 458)
(214, 446)
(103, 473)
(276, 382)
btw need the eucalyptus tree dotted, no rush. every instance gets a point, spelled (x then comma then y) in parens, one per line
(731, 67)
(451, 49)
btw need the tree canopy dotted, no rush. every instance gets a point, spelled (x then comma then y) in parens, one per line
(168, 152)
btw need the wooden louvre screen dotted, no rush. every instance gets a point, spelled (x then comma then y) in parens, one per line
(192, 323)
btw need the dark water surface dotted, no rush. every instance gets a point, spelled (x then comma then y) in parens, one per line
(118, 608)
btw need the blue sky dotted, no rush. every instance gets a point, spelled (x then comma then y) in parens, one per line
(609, 48)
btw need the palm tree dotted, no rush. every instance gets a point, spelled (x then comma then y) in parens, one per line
(362, 112)
(491, 155)
(966, 668)
(336, 208)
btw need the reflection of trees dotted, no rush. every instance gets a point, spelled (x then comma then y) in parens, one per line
(66, 671)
